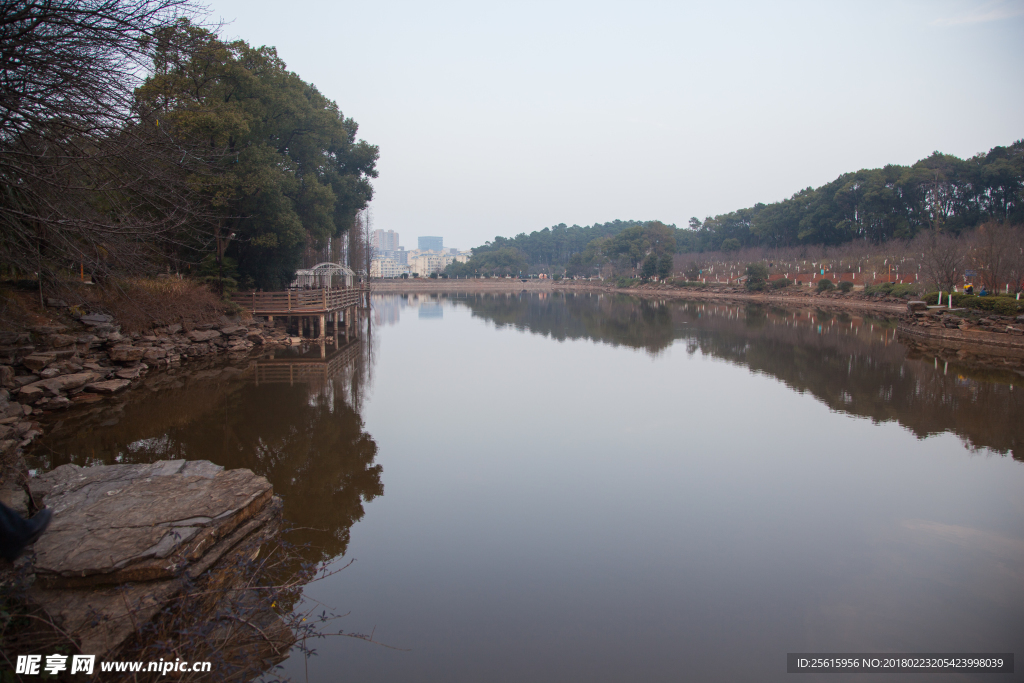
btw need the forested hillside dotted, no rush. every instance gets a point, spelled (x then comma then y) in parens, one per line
(942, 194)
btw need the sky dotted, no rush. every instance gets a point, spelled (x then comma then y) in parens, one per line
(507, 117)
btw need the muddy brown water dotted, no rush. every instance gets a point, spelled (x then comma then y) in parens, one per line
(560, 487)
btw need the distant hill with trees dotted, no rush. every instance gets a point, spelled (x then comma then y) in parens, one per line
(941, 195)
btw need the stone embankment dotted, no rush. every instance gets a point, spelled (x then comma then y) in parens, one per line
(52, 367)
(967, 335)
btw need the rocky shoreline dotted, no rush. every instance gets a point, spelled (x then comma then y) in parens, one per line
(975, 336)
(52, 367)
(127, 540)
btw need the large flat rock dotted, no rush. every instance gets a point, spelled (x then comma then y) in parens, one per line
(118, 523)
(100, 619)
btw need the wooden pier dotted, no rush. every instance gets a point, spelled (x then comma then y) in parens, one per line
(307, 306)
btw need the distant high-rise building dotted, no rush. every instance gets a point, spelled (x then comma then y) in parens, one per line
(385, 241)
(431, 243)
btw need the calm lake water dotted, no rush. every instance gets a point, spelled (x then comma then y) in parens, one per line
(594, 488)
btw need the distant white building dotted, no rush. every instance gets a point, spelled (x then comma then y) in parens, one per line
(386, 267)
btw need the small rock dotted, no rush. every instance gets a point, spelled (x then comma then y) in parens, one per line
(59, 403)
(123, 354)
(203, 335)
(93, 319)
(7, 376)
(59, 341)
(56, 303)
(31, 392)
(154, 353)
(57, 385)
(173, 329)
(49, 373)
(86, 397)
(110, 386)
(129, 373)
(38, 361)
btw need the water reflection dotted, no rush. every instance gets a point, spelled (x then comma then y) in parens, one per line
(851, 362)
(292, 416)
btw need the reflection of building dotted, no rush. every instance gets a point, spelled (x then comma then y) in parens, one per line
(431, 309)
(386, 309)
(431, 243)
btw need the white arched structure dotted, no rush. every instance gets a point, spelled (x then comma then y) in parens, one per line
(324, 275)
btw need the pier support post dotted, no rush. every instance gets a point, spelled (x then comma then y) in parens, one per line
(322, 328)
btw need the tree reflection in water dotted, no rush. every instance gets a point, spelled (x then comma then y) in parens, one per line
(851, 362)
(306, 436)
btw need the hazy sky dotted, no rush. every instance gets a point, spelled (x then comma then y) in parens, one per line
(500, 118)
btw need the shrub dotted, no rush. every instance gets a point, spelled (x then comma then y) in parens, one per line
(757, 276)
(879, 290)
(825, 285)
(781, 283)
(1000, 305)
(903, 291)
(845, 286)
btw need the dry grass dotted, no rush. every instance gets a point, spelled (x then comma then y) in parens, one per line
(137, 304)
(142, 304)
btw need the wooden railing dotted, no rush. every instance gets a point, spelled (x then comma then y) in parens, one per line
(299, 300)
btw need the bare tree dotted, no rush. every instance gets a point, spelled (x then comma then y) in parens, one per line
(1015, 259)
(942, 259)
(86, 178)
(992, 247)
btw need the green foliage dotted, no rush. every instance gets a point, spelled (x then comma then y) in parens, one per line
(845, 286)
(504, 261)
(215, 283)
(1000, 305)
(650, 268)
(665, 266)
(626, 282)
(781, 283)
(459, 270)
(282, 170)
(879, 204)
(825, 285)
(757, 276)
(892, 289)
